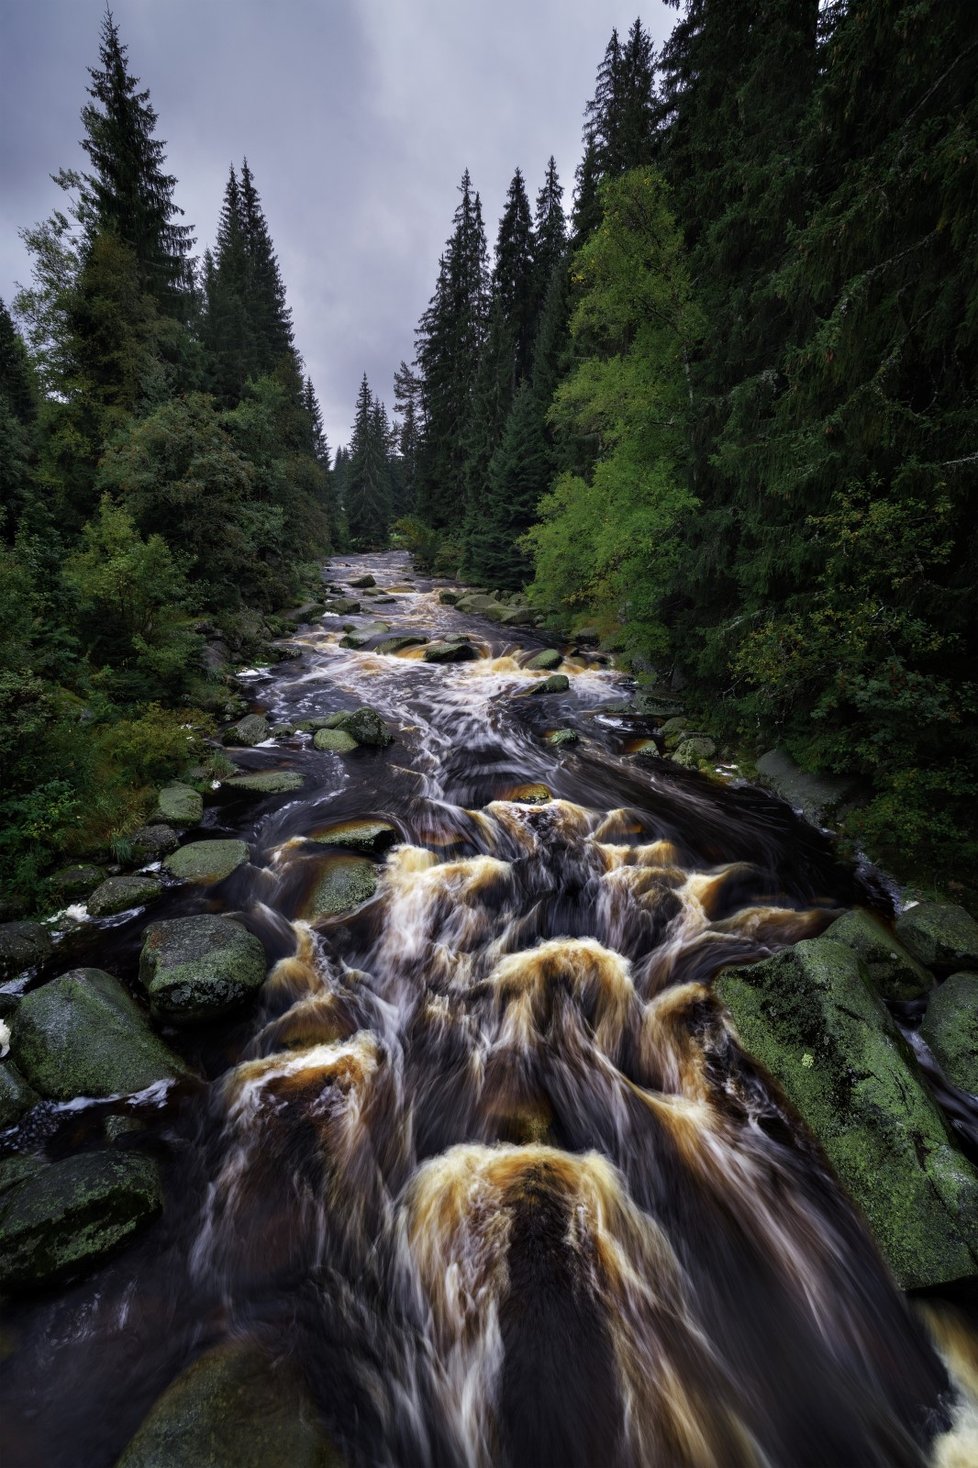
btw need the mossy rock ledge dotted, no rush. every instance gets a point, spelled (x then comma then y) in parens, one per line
(940, 935)
(950, 1028)
(810, 1017)
(206, 861)
(894, 972)
(200, 968)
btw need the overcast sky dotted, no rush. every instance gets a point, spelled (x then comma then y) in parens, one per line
(357, 118)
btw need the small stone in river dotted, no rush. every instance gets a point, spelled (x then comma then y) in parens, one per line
(74, 882)
(206, 861)
(118, 894)
(344, 883)
(362, 581)
(449, 652)
(398, 644)
(546, 660)
(557, 737)
(266, 782)
(950, 1028)
(335, 741)
(247, 732)
(16, 1096)
(200, 968)
(556, 683)
(363, 835)
(363, 724)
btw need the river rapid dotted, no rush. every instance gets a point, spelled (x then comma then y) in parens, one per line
(486, 1161)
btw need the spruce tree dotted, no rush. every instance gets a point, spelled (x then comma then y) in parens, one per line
(549, 237)
(270, 316)
(407, 402)
(368, 488)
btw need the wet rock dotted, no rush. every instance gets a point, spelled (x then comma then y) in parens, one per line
(70, 1215)
(355, 640)
(556, 683)
(179, 805)
(342, 606)
(950, 1028)
(528, 794)
(344, 882)
(809, 1016)
(233, 1408)
(71, 883)
(645, 749)
(449, 598)
(559, 737)
(361, 581)
(281, 731)
(22, 946)
(336, 741)
(266, 782)
(152, 843)
(398, 644)
(247, 732)
(476, 602)
(200, 968)
(817, 796)
(206, 861)
(941, 935)
(370, 836)
(450, 652)
(17, 1169)
(693, 751)
(363, 724)
(894, 973)
(16, 1096)
(546, 660)
(83, 1035)
(118, 894)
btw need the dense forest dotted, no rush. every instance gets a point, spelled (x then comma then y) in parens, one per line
(723, 413)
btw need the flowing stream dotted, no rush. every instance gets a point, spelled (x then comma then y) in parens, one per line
(486, 1160)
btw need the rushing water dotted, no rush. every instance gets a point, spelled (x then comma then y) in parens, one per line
(487, 1161)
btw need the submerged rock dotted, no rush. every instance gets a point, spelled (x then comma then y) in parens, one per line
(450, 652)
(16, 1096)
(950, 1028)
(363, 724)
(23, 946)
(266, 782)
(70, 1215)
(373, 837)
(559, 737)
(556, 683)
(180, 805)
(941, 935)
(546, 660)
(83, 1035)
(233, 1408)
(247, 732)
(345, 882)
(894, 973)
(809, 1016)
(336, 741)
(206, 861)
(200, 968)
(118, 894)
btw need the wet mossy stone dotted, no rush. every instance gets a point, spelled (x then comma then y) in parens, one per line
(693, 749)
(363, 724)
(950, 1028)
(810, 1017)
(355, 640)
(16, 1096)
(74, 882)
(84, 1035)
(119, 894)
(199, 968)
(206, 861)
(545, 661)
(247, 732)
(894, 973)
(449, 598)
(344, 882)
(449, 652)
(476, 602)
(940, 935)
(281, 731)
(556, 683)
(371, 836)
(335, 741)
(233, 1408)
(341, 606)
(645, 749)
(180, 805)
(69, 1215)
(360, 582)
(22, 946)
(559, 737)
(152, 843)
(398, 644)
(267, 782)
(528, 794)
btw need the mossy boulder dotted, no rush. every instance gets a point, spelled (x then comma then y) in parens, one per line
(23, 946)
(950, 1028)
(247, 732)
(152, 843)
(940, 935)
(373, 837)
(335, 741)
(398, 644)
(546, 660)
(200, 968)
(528, 794)
(180, 805)
(206, 861)
(817, 796)
(450, 652)
(343, 883)
(355, 640)
(341, 606)
(449, 598)
(69, 1215)
(119, 894)
(233, 1408)
(71, 883)
(556, 683)
(557, 738)
(266, 782)
(691, 752)
(476, 602)
(16, 1096)
(810, 1017)
(362, 581)
(84, 1035)
(363, 724)
(894, 973)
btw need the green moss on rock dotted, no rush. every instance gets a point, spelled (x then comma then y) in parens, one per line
(364, 725)
(334, 741)
(940, 935)
(23, 946)
(950, 1028)
(267, 782)
(119, 894)
(16, 1096)
(206, 861)
(556, 683)
(180, 805)
(369, 836)
(247, 732)
(450, 652)
(545, 661)
(894, 973)
(200, 968)
(343, 883)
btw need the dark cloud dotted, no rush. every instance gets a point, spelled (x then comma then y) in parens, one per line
(357, 117)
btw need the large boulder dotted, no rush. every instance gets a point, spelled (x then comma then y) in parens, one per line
(266, 782)
(181, 805)
(545, 661)
(450, 652)
(816, 796)
(894, 973)
(341, 606)
(372, 837)
(449, 598)
(69, 1215)
(360, 582)
(694, 750)
(23, 946)
(200, 968)
(363, 724)
(119, 894)
(83, 1035)
(940, 935)
(556, 683)
(233, 1408)
(810, 1017)
(247, 732)
(206, 861)
(476, 602)
(398, 644)
(950, 1028)
(152, 843)
(16, 1096)
(343, 883)
(72, 883)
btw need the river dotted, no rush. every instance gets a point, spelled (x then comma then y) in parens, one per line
(484, 1159)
